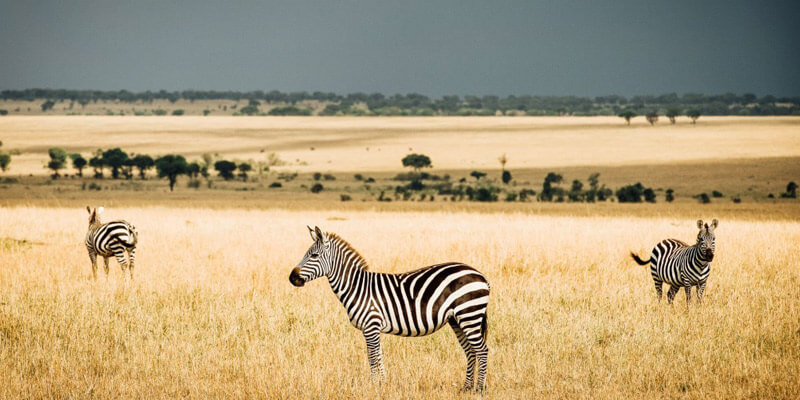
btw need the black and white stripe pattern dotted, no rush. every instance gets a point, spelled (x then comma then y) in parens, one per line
(415, 303)
(682, 266)
(115, 238)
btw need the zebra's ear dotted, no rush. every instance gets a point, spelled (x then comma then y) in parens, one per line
(89, 210)
(699, 224)
(320, 236)
(714, 223)
(311, 232)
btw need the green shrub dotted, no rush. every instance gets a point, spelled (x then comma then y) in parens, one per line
(716, 193)
(316, 188)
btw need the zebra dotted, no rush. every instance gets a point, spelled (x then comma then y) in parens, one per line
(680, 265)
(110, 239)
(415, 303)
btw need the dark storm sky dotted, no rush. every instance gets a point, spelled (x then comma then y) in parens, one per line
(433, 47)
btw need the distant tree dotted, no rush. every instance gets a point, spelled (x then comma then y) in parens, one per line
(177, 112)
(670, 195)
(225, 169)
(548, 190)
(143, 162)
(716, 193)
(249, 110)
(649, 195)
(3, 112)
(671, 113)
(317, 176)
(417, 161)
(244, 168)
(791, 191)
(632, 193)
(115, 159)
(58, 159)
(193, 169)
(170, 167)
(694, 114)
(316, 188)
(576, 191)
(627, 115)
(477, 175)
(703, 198)
(506, 177)
(5, 160)
(48, 105)
(97, 164)
(652, 117)
(78, 162)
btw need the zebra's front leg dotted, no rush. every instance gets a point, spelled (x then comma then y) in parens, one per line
(673, 290)
(688, 290)
(462, 340)
(701, 289)
(375, 353)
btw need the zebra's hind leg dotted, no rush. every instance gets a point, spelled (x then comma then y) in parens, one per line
(93, 258)
(462, 340)
(673, 290)
(658, 284)
(373, 337)
(131, 257)
(105, 265)
(476, 333)
(123, 262)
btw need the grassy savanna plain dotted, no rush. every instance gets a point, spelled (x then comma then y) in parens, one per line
(211, 312)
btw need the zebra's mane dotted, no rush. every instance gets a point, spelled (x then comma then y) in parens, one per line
(343, 244)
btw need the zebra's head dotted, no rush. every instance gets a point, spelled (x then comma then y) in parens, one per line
(316, 261)
(705, 238)
(94, 215)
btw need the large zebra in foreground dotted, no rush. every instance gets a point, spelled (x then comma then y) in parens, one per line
(682, 266)
(414, 303)
(115, 238)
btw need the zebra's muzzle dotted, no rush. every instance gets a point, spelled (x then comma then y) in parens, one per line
(296, 279)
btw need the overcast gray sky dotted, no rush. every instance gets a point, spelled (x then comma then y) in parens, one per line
(431, 47)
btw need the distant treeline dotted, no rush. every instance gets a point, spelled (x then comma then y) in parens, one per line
(418, 104)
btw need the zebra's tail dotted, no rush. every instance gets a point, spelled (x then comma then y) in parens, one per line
(639, 260)
(485, 325)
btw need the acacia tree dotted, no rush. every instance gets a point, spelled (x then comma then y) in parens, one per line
(5, 159)
(417, 161)
(244, 168)
(170, 166)
(225, 169)
(671, 113)
(652, 117)
(58, 158)
(97, 164)
(627, 115)
(78, 162)
(143, 162)
(694, 114)
(115, 158)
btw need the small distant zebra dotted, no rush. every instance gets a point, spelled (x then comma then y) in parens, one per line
(414, 303)
(111, 239)
(682, 266)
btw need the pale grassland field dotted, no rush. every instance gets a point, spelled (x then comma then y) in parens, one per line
(211, 312)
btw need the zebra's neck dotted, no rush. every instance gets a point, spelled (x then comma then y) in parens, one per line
(348, 269)
(697, 257)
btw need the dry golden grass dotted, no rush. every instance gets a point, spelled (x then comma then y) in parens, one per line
(212, 314)
(358, 144)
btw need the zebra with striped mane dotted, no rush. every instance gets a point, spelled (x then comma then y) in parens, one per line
(415, 303)
(115, 238)
(682, 266)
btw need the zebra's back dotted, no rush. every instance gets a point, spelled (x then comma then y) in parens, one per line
(420, 302)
